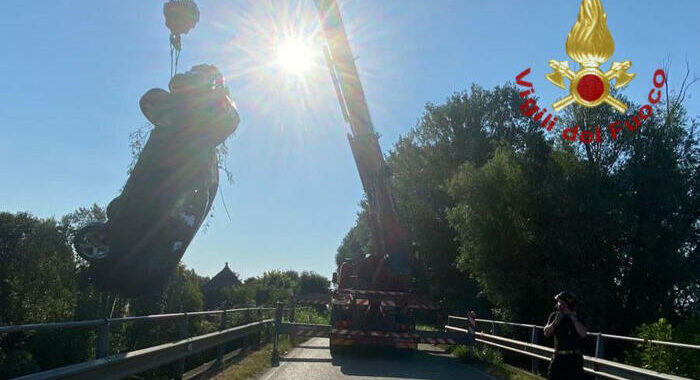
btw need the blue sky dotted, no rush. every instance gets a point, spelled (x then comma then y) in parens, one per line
(73, 72)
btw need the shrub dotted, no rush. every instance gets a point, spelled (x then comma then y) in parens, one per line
(666, 359)
(477, 354)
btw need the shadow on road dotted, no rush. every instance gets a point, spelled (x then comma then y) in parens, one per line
(409, 365)
(314, 361)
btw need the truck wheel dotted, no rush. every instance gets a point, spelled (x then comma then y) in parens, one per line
(338, 351)
(90, 242)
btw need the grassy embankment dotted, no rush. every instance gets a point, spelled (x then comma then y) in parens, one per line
(255, 364)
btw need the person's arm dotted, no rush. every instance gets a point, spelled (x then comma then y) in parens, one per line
(580, 328)
(552, 324)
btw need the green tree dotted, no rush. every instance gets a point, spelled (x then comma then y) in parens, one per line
(273, 286)
(522, 217)
(615, 222)
(312, 282)
(238, 296)
(37, 284)
(38, 270)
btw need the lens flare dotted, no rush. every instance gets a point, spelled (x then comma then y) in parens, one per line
(294, 56)
(271, 52)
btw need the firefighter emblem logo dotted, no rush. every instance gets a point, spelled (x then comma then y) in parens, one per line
(590, 44)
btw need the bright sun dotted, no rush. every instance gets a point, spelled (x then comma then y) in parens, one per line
(294, 56)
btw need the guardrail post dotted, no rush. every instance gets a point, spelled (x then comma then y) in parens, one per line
(292, 318)
(247, 319)
(221, 349)
(261, 331)
(599, 350)
(184, 333)
(275, 360)
(268, 333)
(493, 332)
(535, 362)
(102, 348)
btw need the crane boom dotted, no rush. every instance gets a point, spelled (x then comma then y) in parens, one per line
(373, 304)
(342, 64)
(387, 234)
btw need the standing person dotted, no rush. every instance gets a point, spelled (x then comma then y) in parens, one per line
(568, 332)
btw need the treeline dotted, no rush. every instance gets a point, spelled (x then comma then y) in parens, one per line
(42, 280)
(270, 288)
(502, 216)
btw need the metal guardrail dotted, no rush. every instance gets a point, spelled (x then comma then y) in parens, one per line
(125, 364)
(593, 334)
(98, 322)
(120, 365)
(595, 365)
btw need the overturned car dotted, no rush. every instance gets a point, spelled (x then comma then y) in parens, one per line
(170, 190)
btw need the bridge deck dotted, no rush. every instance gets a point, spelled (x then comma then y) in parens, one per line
(312, 361)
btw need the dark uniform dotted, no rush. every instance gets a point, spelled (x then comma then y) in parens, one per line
(567, 362)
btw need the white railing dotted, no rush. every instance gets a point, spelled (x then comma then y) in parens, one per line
(595, 365)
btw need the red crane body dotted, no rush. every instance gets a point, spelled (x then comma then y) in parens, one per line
(372, 304)
(388, 266)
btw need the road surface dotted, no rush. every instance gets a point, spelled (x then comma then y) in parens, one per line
(312, 361)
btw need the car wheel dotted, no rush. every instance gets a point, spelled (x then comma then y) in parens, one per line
(90, 242)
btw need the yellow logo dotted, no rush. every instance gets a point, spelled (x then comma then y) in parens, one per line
(590, 44)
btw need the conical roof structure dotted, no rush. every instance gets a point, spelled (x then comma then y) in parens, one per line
(224, 278)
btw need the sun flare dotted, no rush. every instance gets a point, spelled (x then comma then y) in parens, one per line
(294, 56)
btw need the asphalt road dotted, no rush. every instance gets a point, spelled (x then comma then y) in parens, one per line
(312, 361)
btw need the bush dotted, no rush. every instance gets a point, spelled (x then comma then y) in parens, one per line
(16, 362)
(308, 315)
(472, 354)
(666, 359)
(689, 332)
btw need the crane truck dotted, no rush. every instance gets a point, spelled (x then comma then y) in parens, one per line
(373, 303)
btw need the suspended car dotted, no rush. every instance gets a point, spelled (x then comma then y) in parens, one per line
(170, 190)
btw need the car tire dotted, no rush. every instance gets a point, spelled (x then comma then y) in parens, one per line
(90, 242)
